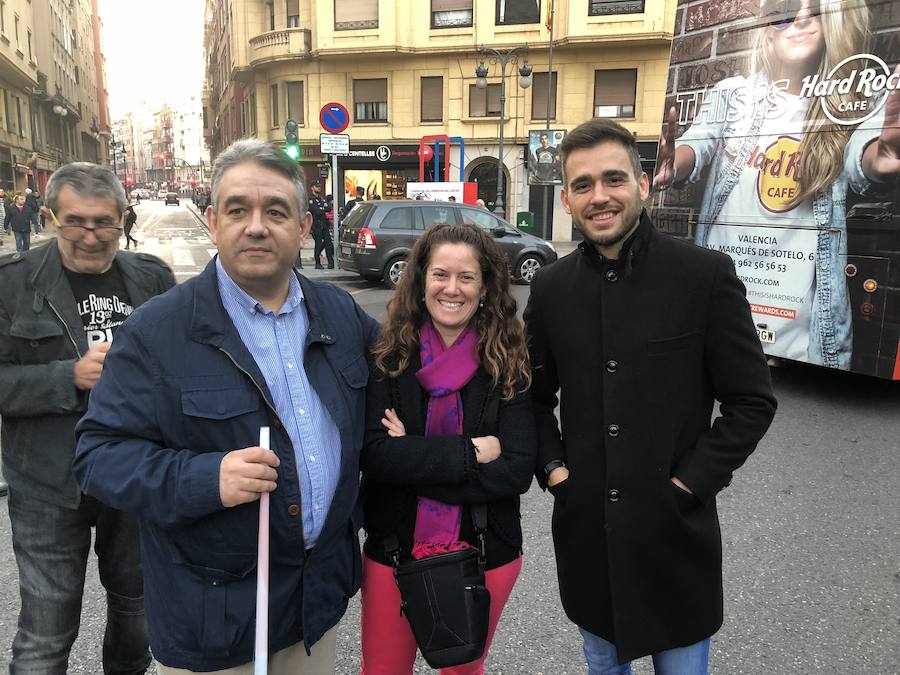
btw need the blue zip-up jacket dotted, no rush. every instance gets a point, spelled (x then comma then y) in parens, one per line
(179, 390)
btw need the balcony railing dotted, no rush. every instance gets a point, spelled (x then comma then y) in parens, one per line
(279, 44)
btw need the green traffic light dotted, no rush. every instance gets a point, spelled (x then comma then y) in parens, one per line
(292, 151)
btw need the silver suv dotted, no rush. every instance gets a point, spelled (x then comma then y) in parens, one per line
(377, 236)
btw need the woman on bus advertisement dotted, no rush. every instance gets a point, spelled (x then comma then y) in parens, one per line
(783, 145)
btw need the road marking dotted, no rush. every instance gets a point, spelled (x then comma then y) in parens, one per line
(361, 290)
(182, 257)
(212, 252)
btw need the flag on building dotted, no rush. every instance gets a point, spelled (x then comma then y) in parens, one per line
(549, 22)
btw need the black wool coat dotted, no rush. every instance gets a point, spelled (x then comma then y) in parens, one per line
(396, 471)
(639, 349)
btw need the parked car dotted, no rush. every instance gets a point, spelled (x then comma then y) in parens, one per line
(376, 237)
(172, 198)
(161, 194)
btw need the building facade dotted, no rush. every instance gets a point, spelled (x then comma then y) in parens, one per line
(18, 78)
(408, 70)
(69, 102)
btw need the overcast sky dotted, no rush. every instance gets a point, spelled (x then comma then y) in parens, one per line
(154, 51)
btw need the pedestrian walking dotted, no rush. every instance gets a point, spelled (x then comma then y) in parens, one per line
(130, 220)
(634, 463)
(61, 306)
(321, 232)
(33, 204)
(449, 428)
(248, 343)
(18, 219)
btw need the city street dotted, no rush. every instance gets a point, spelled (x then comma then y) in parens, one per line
(810, 527)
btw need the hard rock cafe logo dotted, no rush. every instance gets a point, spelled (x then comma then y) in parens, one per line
(778, 166)
(869, 83)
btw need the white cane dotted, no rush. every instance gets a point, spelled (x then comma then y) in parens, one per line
(261, 658)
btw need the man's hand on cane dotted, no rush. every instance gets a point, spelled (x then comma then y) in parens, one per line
(245, 474)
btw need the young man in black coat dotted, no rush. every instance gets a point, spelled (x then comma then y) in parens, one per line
(640, 334)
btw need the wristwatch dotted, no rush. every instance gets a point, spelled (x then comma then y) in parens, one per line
(553, 464)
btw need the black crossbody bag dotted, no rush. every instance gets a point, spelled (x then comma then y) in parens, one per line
(445, 600)
(444, 597)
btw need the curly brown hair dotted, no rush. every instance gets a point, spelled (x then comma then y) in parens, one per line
(501, 337)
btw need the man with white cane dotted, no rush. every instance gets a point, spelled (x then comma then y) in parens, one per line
(172, 434)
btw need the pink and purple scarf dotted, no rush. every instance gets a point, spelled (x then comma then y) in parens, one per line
(445, 371)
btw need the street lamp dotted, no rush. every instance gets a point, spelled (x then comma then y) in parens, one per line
(503, 59)
(61, 111)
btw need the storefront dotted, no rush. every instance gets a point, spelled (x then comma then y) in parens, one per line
(381, 170)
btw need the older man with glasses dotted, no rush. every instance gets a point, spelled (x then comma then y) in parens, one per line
(59, 311)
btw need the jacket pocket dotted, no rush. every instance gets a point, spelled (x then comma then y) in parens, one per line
(356, 373)
(226, 607)
(672, 344)
(39, 341)
(219, 404)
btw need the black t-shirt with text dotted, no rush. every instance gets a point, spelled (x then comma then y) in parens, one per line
(102, 301)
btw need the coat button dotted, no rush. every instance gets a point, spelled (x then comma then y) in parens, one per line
(293, 509)
(612, 276)
(612, 430)
(614, 495)
(277, 423)
(612, 366)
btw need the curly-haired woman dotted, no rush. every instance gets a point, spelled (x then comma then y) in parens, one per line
(449, 426)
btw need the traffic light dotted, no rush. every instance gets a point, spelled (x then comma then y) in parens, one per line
(291, 141)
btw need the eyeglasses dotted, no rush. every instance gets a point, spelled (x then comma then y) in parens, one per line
(78, 232)
(105, 233)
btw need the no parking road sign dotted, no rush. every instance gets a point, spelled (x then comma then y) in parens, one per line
(334, 118)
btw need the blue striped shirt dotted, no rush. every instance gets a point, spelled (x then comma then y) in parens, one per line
(276, 341)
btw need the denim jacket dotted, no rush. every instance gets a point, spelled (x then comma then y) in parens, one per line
(728, 145)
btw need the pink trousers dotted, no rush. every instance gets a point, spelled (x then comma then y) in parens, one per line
(388, 645)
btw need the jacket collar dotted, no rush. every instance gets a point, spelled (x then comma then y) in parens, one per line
(49, 285)
(634, 249)
(211, 325)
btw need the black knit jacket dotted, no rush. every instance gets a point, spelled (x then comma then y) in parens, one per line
(396, 471)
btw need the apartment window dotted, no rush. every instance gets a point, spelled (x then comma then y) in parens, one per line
(432, 99)
(295, 101)
(30, 53)
(9, 120)
(451, 13)
(20, 117)
(511, 12)
(271, 15)
(614, 92)
(355, 14)
(484, 102)
(273, 104)
(17, 31)
(293, 13)
(370, 100)
(3, 16)
(253, 113)
(606, 7)
(543, 91)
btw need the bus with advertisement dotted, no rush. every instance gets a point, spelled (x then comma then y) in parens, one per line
(780, 146)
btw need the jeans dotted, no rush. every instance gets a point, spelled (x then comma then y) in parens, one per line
(23, 240)
(602, 658)
(51, 545)
(36, 223)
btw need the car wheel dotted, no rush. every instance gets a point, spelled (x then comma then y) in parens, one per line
(393, 271)
(527, 268)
